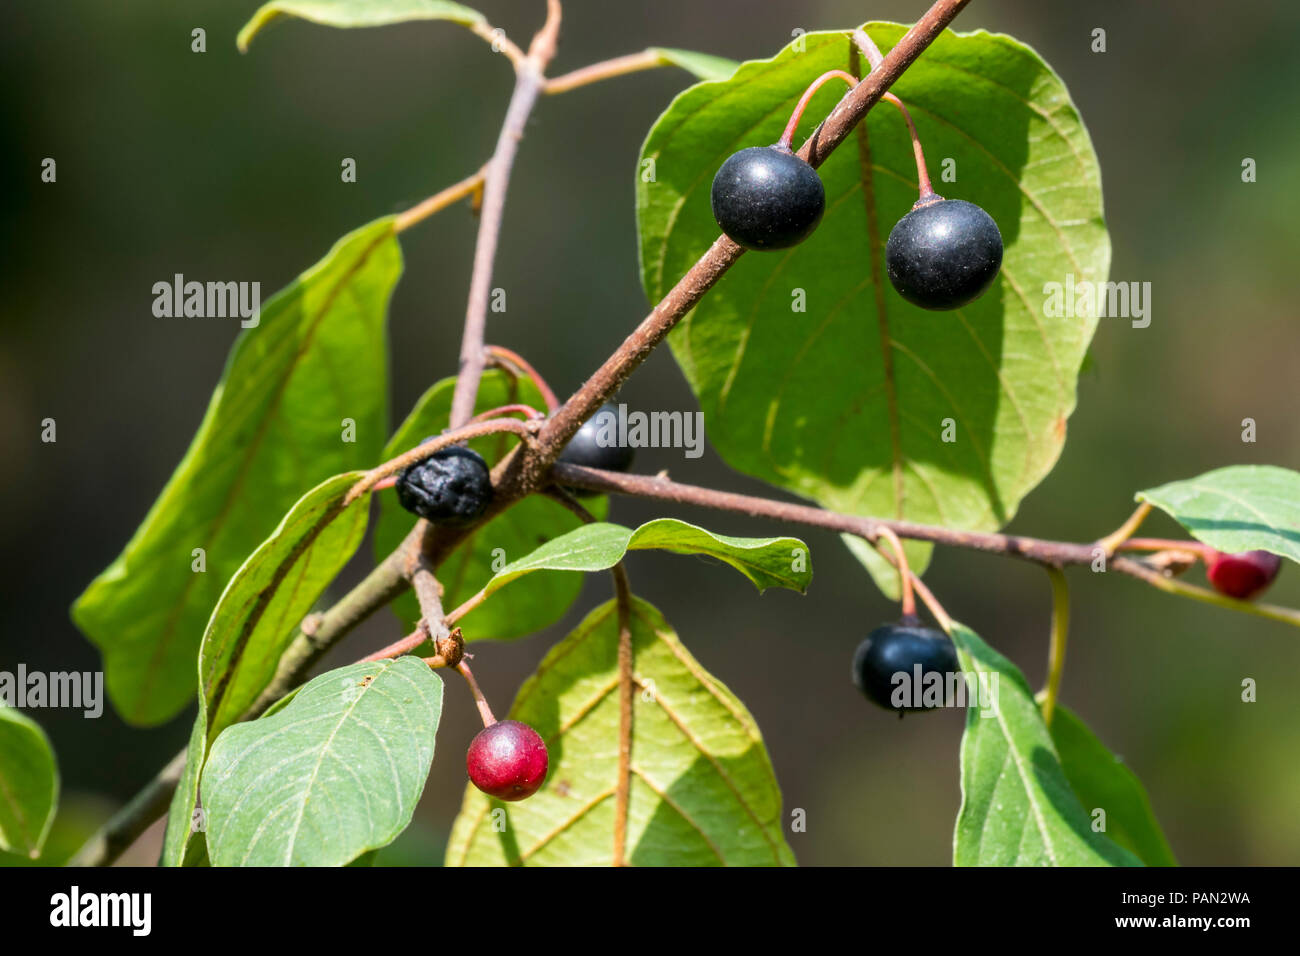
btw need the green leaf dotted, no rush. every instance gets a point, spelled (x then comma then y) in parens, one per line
(29, 783)
(274, 428)
(256, 620)
(702, 788)
(534, 604)
(703, 65)
(1017, 807)
(336, 773)
(809, 400)
(1101, 780)
(884, 574)
(355, 13)
(768, 562)
(1239, 508)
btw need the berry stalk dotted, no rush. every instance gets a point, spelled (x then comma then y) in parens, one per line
(922, 173)
(484, 711)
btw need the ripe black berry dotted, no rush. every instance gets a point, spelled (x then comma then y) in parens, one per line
(766, 197)
(1244, 575)
(507, 760)
(898, 649)
(593, 446)
(944, 253)
(450, 487)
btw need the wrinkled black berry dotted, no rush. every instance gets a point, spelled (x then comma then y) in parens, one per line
(944, 254)
(765, 197)
(896, 649)
(585, 448)
(451, 487)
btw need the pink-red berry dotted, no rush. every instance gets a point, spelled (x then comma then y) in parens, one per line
(1243, 575)
(507, 760)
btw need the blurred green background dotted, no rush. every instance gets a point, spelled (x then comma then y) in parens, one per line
(227, 166)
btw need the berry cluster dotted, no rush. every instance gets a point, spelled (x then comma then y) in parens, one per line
(942, 255)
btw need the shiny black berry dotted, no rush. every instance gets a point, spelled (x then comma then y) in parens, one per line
(884, 665)
(944, 253)
(596, 443)
(766, 197)
(451, 487)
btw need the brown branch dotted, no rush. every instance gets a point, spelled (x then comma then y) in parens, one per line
(529, 79)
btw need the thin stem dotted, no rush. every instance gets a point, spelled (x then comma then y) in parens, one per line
(626, 668)
(1056, 649)
(484, 711)
(1125, 531)
(501, 410)
(868, 48)
(529, 77)
(932, 602)
(1164, 544)
(605, 70)
(502, 355)
(396, 649)
(431, 447)
(787, 137)
(438, 201)
(904, 572)
(922, 174)
(497, 37)
(1181, 588)
(456, 613)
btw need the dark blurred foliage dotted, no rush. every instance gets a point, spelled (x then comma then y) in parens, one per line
(227, 166)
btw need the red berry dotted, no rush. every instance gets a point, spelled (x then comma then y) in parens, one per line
(507, 760)
(1243, 575)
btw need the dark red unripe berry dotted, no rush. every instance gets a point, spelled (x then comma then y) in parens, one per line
(898, 649)
(595, 445)
(1243, 575)
(450, 487)
(943, 254)
(507, 760)
(766, 197)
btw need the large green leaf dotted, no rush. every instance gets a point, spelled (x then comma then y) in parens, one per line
(256, 620)
(811, 400)
(355, 13)
(702, 788)
(768, 562)
(1017, 807)
(1239, 508)
(273, 429)
(513, 533)
(29, 783)
(1101, 781)
(336, 773)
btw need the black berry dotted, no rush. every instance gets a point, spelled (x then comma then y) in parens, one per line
(594, 446)
(1244, 575)
(450, 487)
(507, 760)
(892, 652)
(944, 253)
(766, 197)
